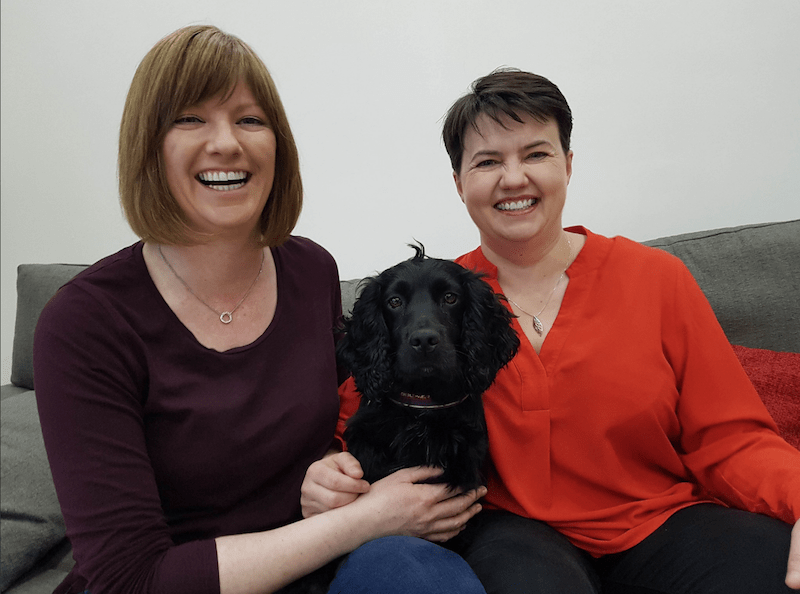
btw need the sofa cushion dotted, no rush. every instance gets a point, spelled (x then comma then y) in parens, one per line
(45, 581)
(776, 378)
(47, 574)
(350, 291)
(36, 284)
(30, 517)
(749, 274)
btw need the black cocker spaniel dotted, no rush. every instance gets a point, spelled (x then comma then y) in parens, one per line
(425, 340)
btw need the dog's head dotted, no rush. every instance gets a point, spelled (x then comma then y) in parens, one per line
(427, 326)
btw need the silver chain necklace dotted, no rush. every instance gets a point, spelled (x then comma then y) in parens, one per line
(226, 317)
(537, 323)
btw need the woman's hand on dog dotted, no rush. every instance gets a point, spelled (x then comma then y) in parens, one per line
(405, 504)
(401, 503)
(331, 482)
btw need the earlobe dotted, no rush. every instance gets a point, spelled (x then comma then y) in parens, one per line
(569, 166)
(458, 186)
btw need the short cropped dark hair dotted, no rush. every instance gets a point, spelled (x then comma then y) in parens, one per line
(505, 92)
(185, 68)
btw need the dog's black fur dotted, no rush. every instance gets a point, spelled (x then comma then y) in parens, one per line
(432, 328)
(429, 327)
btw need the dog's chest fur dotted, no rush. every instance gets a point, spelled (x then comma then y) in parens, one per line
(386, 436)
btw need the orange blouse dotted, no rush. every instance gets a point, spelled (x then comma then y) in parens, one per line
(635, 408)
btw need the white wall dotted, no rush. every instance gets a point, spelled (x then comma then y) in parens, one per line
(687, 114)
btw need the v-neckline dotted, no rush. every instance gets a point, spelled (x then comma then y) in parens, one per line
(573, 303)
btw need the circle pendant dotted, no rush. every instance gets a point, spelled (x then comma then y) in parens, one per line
(226, 317)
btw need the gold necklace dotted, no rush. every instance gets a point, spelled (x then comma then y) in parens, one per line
(537, 323)
(226, 317)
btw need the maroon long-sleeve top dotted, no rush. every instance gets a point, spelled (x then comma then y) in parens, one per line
(158, 444)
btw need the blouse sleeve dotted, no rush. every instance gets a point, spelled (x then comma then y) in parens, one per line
(90, 385)
(728, 440)
(349, 399)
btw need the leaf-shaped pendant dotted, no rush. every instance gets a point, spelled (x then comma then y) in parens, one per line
(537, 325)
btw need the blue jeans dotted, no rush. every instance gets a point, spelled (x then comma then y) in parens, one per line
(404, 565)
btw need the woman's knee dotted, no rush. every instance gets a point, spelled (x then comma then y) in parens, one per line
(510, 553)
(706, 548)
(402, 564)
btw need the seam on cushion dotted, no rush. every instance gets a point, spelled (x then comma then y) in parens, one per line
(717, 233)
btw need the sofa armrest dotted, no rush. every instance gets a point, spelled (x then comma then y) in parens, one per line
(31, 524)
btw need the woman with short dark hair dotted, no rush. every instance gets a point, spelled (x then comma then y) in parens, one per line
(629, 451)
(625, 433)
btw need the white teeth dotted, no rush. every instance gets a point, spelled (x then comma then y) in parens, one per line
(222, 176)
(221, 188)
(220, 180)
(518, 205)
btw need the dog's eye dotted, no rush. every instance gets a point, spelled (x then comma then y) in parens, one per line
(395, 302)
(450, 298)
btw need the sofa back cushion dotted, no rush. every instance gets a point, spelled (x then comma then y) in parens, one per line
(751, 277)
(36, 284)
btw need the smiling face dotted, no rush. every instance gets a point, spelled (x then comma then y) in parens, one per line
(219, 161)
(513, 180)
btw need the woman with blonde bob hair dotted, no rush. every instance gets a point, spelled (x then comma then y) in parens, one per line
(187, 382)
(188, 67)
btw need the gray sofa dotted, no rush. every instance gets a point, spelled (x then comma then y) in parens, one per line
(750, 274)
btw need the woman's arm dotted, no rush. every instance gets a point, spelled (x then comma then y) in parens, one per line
(90, 374)
(394, 505)
(728, 439)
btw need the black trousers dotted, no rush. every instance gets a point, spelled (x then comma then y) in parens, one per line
(703, 549)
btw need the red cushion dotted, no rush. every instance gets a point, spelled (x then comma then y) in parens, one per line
(776, 377)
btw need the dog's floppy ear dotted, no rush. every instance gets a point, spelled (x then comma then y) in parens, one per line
(487, 337)
(364, 348)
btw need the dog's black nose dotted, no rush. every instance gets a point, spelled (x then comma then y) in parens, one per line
(424, 341)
